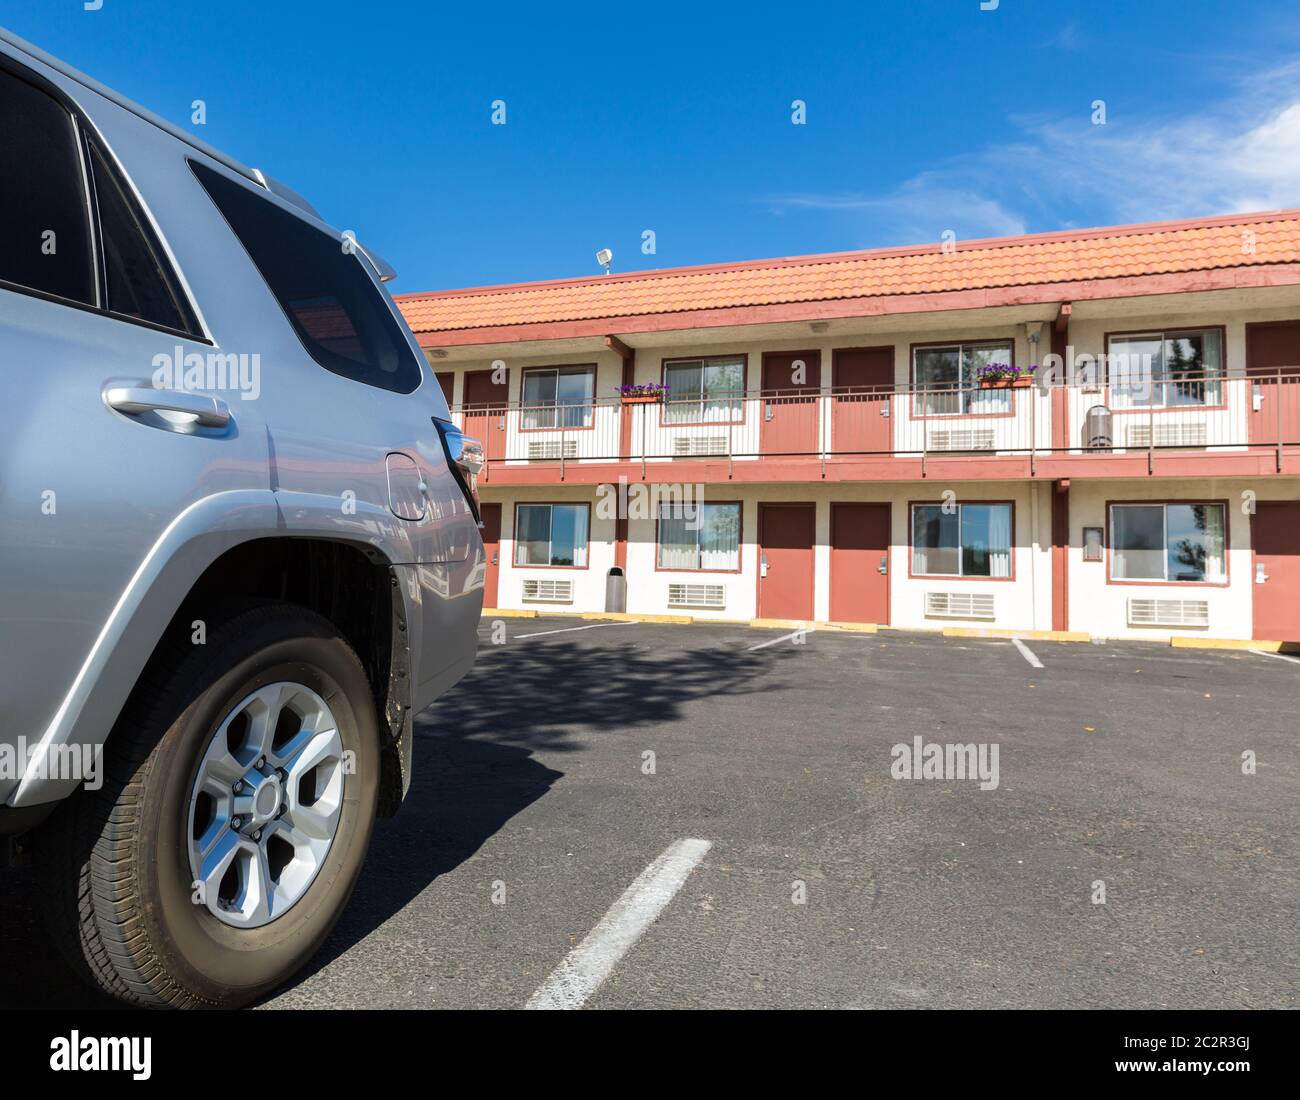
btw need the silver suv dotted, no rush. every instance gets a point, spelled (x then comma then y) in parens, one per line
(239, 546)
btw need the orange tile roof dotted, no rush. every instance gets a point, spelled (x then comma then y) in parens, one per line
(1072, 256)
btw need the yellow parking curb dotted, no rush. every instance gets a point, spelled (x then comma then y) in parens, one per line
(850, 628)
(1026, 635)
(626, 617)
(1234, 643)
(809, 624)
(611, 616)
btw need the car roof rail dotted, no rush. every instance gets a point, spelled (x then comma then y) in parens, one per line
(287, 193)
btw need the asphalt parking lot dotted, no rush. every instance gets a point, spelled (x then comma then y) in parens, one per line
(815, 878)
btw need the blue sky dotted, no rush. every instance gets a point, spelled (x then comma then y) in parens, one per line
(922, 116)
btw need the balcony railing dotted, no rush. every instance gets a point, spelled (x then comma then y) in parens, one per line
(1211, 414)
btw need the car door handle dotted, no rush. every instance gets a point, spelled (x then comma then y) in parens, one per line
(210, 412)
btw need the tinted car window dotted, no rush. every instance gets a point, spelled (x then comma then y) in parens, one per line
(339, 315)
(137, 280)
(44, 221)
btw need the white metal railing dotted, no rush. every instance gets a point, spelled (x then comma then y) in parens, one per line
(1223, 413)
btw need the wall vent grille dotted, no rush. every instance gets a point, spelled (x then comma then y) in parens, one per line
(959, 605)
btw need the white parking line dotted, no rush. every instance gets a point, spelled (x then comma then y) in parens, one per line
(783, 638)
(1027, 653)
(569, 629)
(1279, 656)
(590, 963)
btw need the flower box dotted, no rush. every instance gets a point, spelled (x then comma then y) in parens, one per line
(642, 393)
(1003, 376)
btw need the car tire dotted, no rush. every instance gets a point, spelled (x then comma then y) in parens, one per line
(120, 861)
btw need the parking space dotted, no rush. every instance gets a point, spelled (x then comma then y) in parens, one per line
(577, 754)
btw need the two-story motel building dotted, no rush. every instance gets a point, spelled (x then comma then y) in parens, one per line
(857, 466)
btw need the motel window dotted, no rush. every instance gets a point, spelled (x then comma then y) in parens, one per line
(558, 397)
(1166, 369)
(704, 391)
(947, 379)
(703, 536)
(551, 534)
(1168, 542)
(965, 540)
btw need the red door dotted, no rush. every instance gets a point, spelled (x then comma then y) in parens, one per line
(860, 563)
(1273, 371)
(791, 382)
(860, 417)
(491, 532)
(785, 555)
(1275, 537)
(485, 404)
(447, 380)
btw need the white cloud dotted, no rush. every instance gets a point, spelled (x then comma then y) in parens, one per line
(1240, 155)
(921, 209)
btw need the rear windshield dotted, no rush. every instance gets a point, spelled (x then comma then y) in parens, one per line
(341, 317)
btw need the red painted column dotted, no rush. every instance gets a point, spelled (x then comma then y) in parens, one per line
(1060, 395)
(1061, 493)
(625, 413)
(620, 543)
(624, 453)
(1061, 555)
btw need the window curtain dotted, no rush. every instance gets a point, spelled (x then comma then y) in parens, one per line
(936, 541)
(707, 538)
(1216, 544)
(723, 384)
(575, 391)
(1137, 542)
(1135, 366)
(719, 536)
(533, 538)
(1000, 540)
(685, 386)
(1192, 365)
(937, 372)
(678, 540)
(539, 399)
(568, 534)
(1195, 542)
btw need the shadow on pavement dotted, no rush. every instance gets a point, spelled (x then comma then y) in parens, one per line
(473, 771)
(474, 768)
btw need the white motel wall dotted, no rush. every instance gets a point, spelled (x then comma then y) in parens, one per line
(1095, 602)
(1097, 605)
(1231, 310)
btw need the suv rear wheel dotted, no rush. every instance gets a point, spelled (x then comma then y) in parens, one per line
(238, 800)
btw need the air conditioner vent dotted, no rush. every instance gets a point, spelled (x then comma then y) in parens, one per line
(961, 439)
(1150, 612)
(959, 605)
(700, 445)
(697, 595)
(551, 448)
(548, 591)
(1167, 435)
